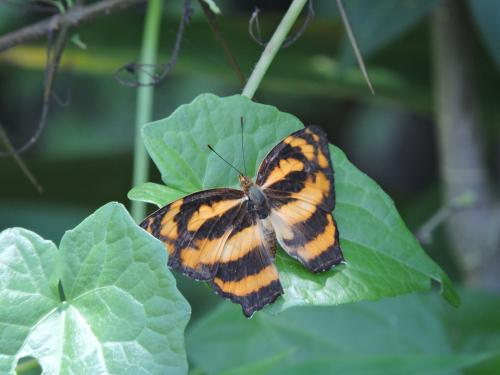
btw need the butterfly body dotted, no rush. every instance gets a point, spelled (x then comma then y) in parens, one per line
(258, 200)
(228, 237)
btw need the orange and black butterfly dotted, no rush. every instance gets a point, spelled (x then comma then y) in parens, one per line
(228, 236)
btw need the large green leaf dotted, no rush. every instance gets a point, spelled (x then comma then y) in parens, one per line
(383, 257)
(28, 290)
(122, 312)
(178, 144)
(413, 334)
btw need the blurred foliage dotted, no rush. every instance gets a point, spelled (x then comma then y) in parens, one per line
(414, 334)
(84, 156)
(485, 14)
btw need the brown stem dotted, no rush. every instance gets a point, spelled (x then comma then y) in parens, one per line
(354, 45)
(74, 16)
(17, 159)
(474, 232)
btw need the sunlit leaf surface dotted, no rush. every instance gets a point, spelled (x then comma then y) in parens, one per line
(121, 314)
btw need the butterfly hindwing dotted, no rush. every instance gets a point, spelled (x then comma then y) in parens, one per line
(246, 273)
(214, 235)
(314, 241)
(297, 178)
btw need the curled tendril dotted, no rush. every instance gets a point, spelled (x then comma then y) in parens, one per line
(55, 50)
(130, 74)
(254, 27)
(62, 102)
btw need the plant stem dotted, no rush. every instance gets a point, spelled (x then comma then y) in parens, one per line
(354, 45)
(17, 159)
(145, 95)
(76, 15)
(473, 231)
(219, 37)
(272, 47)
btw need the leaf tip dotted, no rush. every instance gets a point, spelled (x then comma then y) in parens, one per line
(448, 291)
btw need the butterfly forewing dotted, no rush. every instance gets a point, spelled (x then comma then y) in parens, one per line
(194, 229)
(297, 178)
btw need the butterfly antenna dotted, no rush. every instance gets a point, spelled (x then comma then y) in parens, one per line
(243, 147)
(228, 163)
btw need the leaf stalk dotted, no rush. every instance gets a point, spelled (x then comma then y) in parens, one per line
(273, 47)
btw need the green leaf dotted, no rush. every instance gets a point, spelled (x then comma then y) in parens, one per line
(28, 290)
(154, 193)
(479, 328)
(178, 144)
(383, 257)
(76, 40)
(259, 367)
(412, 334)
(122, 313)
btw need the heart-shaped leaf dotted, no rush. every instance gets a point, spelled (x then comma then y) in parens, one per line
(383, 257)
(122, 312)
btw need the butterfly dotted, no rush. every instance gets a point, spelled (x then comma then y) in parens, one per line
(228, 237)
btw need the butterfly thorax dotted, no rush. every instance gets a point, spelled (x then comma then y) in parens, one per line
(257, 198)
(258, 203)
(255, 195)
